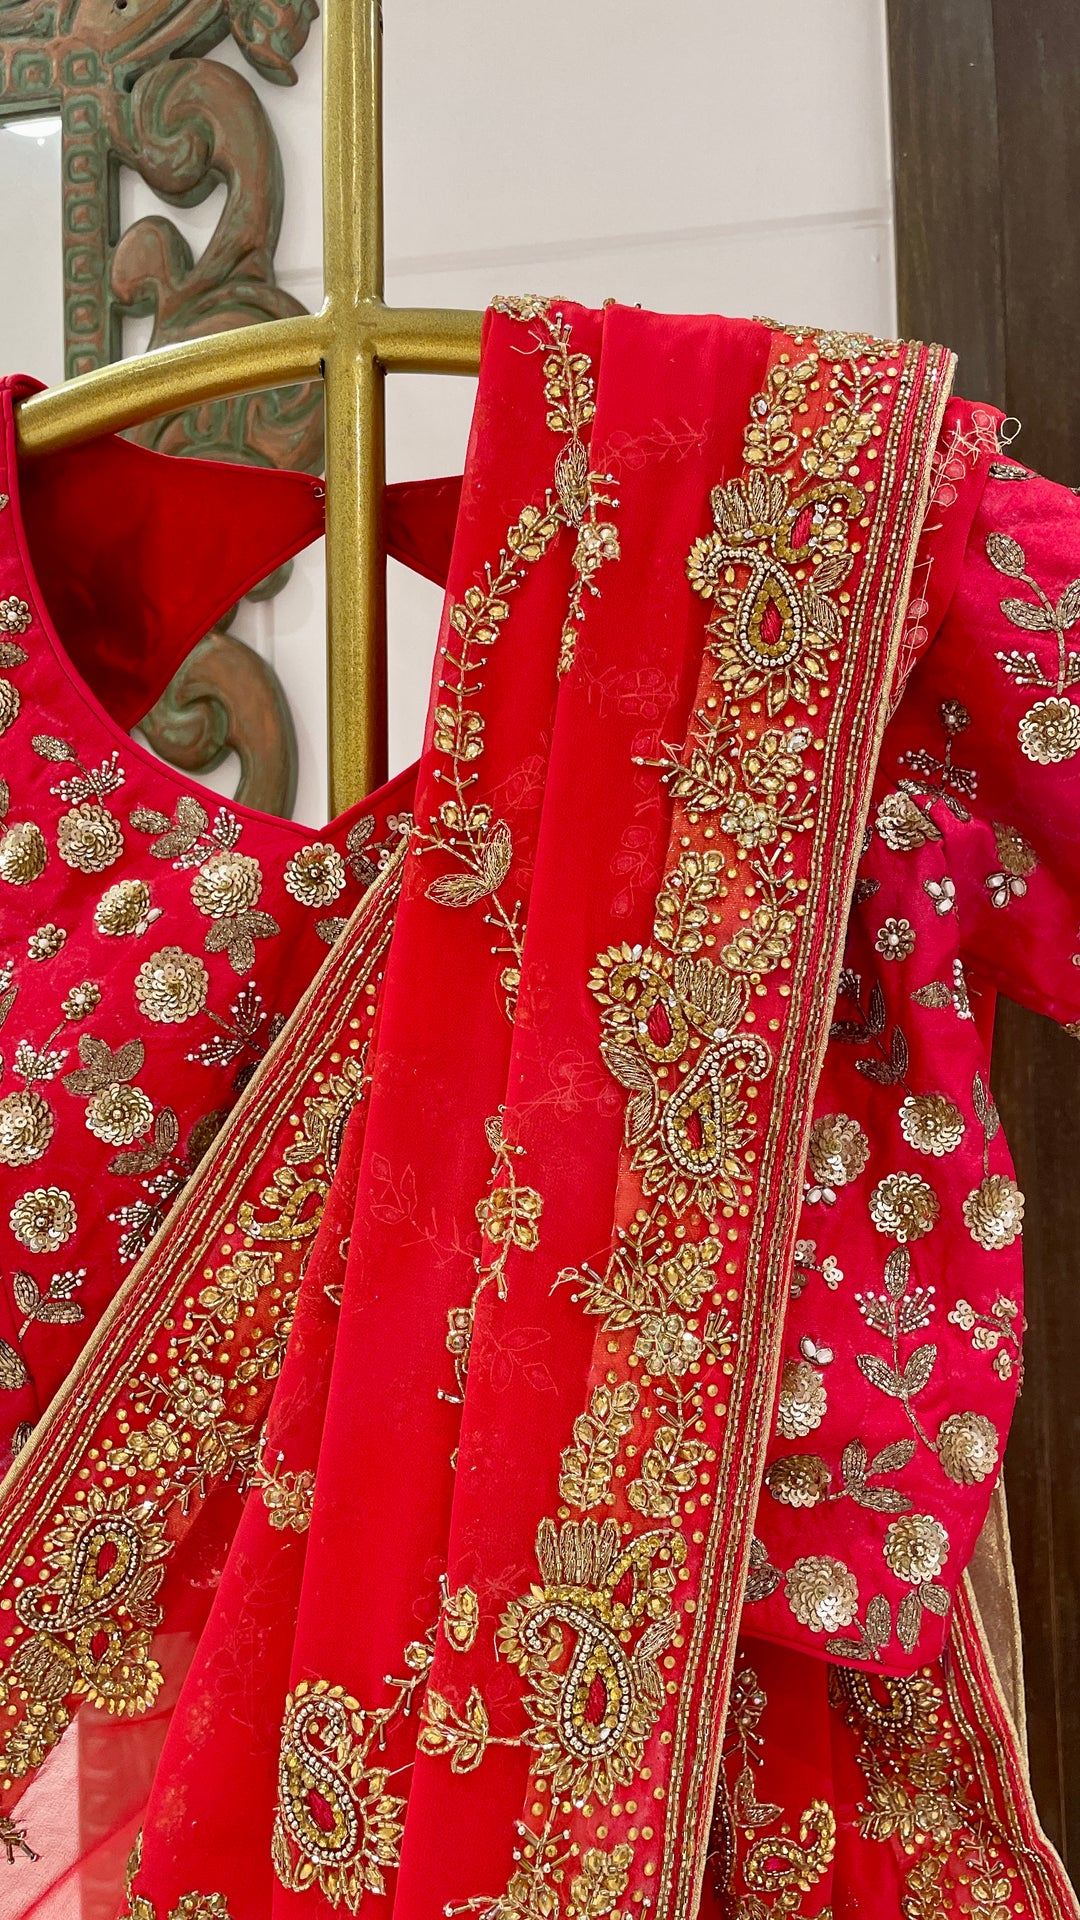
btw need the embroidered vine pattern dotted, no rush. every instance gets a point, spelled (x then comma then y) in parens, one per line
(464, 830)
(551, 1881)
(508, 1216)
(1050, 729)
(679, 1034)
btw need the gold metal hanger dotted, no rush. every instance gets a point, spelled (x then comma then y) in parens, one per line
(352, 342)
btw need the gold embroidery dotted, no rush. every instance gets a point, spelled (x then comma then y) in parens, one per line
(589, 1464)
(190, 1906)
(508, 1216)
(776, 1865)
(90, 1619)
(460, 1617)
(1050, 729)
(344, 1846)
(994, 1210)
(287, 1496)
(922, 1793)
(589, 1641)
(537, 1888)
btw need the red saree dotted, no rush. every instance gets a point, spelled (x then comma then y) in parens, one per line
(525, 1612)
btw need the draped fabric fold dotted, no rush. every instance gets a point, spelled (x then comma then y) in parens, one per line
(463, 1623)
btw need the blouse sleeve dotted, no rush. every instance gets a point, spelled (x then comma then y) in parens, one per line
(989, 741)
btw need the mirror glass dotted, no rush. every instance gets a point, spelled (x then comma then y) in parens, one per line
(32, 316)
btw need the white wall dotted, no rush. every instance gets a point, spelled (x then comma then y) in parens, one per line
(691, 155)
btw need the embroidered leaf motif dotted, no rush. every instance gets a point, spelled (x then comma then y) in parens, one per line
(27, 1293)
(149, 820)
(878, 1621)
(897, 1271)
(12, 1371)
(587, 1466)
(749, 1810)
(101, 1067)
(919, 1368)
(853, 1462)
(935, 994)
(875, 1010)
(458, 889)
(52, 747)
(938, 1599)
(880, 1375)
(1068, 607)
(881, 1499)
(891, 1458)
(632, 1073)
(1022, 613)
(1006, 554)
(460, 1737)
(763, 1578)
(908, 1621)
(985, 1108)
(12, 655)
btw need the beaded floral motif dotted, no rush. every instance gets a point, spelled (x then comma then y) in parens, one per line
(1050, 729)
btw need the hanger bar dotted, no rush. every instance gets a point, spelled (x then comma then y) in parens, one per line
(352, 343)
(273, 353)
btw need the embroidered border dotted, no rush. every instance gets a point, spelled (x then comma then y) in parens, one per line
(622, 1607)
(169, 1396)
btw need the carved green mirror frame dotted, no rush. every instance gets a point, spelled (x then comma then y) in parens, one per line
(133, 88)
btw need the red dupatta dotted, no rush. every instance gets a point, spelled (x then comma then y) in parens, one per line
(484, 1668)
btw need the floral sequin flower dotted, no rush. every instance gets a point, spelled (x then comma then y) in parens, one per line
(916, 1548)
(798, 1479)
(23, 853)
(171, 986)
(931, 1123)
(994, 1212)
(839, 1150)
(896, 939)
(967, 1445)
(902, 825)
(45, 942)
(316, 875)
(1050, 731)
(125, 908)
(822, 1593)
(27, 1124)
(43, 1219)
(14, 615)
(88, 837)
(227, 883)
(803, 1400)
(81, 1001)
(10, 703)
(904, 1205)
(119, 1114)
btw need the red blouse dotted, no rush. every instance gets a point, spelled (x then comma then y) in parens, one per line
(152, 939)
